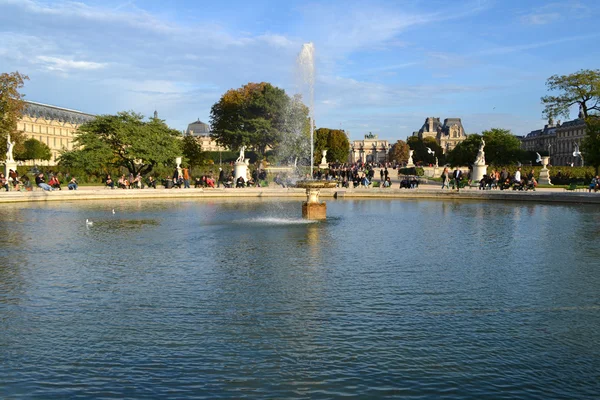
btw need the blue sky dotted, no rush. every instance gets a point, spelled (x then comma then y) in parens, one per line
(382, 66)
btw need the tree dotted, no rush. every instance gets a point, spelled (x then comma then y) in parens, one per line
(580, 88)
(335, 142)
(465, 152)
(421, 154)
(591, 142)
(123, 140)
(192, 151)
(501, 147)
(11, 109)
(399, 152)
(253, 116)
(34, 150)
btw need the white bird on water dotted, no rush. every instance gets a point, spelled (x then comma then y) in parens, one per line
(113, 211)
(88, 222)
(539, 158)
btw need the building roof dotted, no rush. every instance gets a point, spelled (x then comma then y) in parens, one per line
(573, 123)
(48, 112)
(198, 128)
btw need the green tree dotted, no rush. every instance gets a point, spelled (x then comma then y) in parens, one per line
(580, 88)
(11, 109)
(253, 116)
(501, 147)
(421, 153)
(399, 152)
(34, 150)
(192, 151)
(465, 152)
(591, 143)
(335, 141)
(123, 140)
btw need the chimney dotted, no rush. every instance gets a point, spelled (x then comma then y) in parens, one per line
(430, 119)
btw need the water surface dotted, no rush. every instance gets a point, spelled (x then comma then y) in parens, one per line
(243, 299)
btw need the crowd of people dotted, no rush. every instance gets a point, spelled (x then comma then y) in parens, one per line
(497, 179)
(23, 183)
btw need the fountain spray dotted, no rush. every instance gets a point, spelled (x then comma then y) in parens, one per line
(306, 65)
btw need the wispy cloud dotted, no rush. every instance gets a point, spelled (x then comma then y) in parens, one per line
(541, 18)
(64, 65)
(530, 46)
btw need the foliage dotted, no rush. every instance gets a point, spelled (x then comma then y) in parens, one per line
(123, 140)
(501, 148)
(399, 152)
(582, 88)
(253, 115)
(335, 142)
(192, 151)
(421, 154)
(591, 142)
(11, 109)
(34, 150)
(411, 171)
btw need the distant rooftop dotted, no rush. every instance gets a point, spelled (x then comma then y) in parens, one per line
(50, 112)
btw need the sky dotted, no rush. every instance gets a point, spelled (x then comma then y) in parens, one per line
(381, 66)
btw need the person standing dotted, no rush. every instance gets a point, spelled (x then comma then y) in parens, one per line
(457, 175)
(186, 178)
(446, 178)
(221, 177)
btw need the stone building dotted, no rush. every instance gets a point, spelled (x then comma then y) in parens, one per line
(447, 135)
(201, 131)
(52, 125)
(558, 140)
(370, 149)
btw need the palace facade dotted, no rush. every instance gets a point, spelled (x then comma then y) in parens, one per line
(447, 135)
(201, 132)
(52, 125)
(370, 149)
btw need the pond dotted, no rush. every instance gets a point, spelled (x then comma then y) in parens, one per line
(243, 299)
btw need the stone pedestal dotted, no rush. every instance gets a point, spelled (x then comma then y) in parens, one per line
(315, 211)
(479, 170)
(8, 165)
(544, 178)
(240, 169)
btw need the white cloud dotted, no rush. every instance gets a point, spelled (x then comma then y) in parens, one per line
(64, 65)
(540, 19)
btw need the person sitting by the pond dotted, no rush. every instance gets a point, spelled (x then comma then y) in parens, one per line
(13, 178)
(54, 182)
(517, 176)
(594, 184)
(364, 180)
(73, 184)
(178, 182)
(210, 182)
(151, 182)
(240, 182)
(123, 183)
(109, 182)
(414, 183)
(250, 182)
(137, 182)
(483, 182)
(228, 182)
(41, 182)
(3, 181)
(279, 181)
(387, 182)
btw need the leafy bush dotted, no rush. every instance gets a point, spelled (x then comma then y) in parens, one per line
(412, 171)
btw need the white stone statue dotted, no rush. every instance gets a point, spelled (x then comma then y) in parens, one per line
(410, 159)
(324, 159)
(9, 149)
(480, 159)
(242, 157)
(436, 162)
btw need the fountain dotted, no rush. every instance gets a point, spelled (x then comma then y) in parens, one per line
(312, 208)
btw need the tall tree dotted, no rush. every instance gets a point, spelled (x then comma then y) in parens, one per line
(591, 142)
(192, 150)
(465, 152)
(253, 116)
(11, 109)
(421, 154)
(335, 142)
(34, 150)
(501, 147)
(399, 152)
(580, 88)
(124, 140)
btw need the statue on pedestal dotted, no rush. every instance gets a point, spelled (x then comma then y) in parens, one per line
(9, 149)
(480, 159)
(242, 157)
(410, 159)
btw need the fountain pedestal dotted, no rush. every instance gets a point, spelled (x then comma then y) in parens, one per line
(479, 170)
(312, 208)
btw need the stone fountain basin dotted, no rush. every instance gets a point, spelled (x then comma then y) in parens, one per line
(316, 184)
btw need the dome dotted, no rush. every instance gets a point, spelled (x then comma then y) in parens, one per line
(198, 128)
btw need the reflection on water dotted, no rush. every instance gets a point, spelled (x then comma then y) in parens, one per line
(230, 299)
